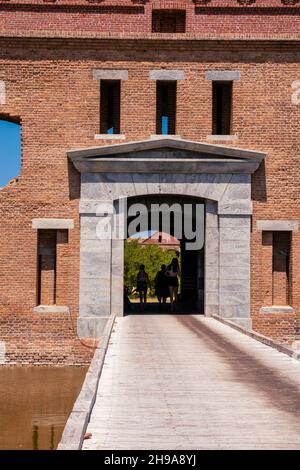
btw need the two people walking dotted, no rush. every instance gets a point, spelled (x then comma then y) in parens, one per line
(166, 284)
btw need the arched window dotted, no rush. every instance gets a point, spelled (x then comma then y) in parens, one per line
(10, 150)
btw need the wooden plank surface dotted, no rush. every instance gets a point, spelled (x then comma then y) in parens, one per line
(190, 382)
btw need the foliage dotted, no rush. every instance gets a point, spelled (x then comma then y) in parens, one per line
(152, 256)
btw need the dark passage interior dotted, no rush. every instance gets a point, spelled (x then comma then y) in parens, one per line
(191, 260)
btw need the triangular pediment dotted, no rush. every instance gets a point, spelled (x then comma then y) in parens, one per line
(166, 155)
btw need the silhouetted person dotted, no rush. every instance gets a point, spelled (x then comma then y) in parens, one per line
(172, 274)
(142, 284)
(161, 285)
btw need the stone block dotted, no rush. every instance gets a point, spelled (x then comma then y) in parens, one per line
(234, 271)
(222, 138)
(222, 75)
(233, 221)
(277, 225)
(163, 74)
(52, 224)
(237, 207)
(235, 233)
(2, 352)
(89, 227)
(93, 309)
(211, 298)
(93, 263)
(2, 93)
(234, 297)
(51, 309)
(231, 285)
(91, 327)
(211, 309)
(277, 309)
(234, 311)
(110, 74)
(231, 247)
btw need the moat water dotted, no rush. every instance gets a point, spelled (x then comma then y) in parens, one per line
(35, 403)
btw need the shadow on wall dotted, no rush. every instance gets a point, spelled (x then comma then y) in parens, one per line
(10, 150)
(258, 186)
(74, 181)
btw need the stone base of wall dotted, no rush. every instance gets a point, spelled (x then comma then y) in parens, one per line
(43, 340)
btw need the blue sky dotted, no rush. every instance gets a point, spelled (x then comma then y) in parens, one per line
(10, 151)
(143, 234)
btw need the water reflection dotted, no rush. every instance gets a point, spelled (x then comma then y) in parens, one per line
(35, 403)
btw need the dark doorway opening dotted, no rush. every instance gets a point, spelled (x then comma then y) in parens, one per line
(143, 248)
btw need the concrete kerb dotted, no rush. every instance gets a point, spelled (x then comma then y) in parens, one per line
(259, 337)
(75, 428)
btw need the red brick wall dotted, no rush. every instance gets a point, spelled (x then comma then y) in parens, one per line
(268, 17)
(50, 86)
(44, 339)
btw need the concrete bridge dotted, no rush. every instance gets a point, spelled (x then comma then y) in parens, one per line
(188, 382)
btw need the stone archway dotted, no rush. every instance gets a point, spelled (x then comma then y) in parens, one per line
(219, 175)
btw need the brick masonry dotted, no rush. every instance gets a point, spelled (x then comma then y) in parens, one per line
(49, 85)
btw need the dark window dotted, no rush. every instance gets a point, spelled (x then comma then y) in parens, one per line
(166, 107)
(110, 107)
(222, 108)
(168, 21)
(46, 289)
(52, 278)
(281, 267)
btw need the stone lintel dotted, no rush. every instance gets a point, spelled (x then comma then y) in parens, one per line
(163, 136)
(277, 225)
(2, 92)
(277, 309)
(168, 75)
(56, 224)
(110, 74)
(222, 75)
(2, 352)
(110, 137)
(51, 309)
(222, 138)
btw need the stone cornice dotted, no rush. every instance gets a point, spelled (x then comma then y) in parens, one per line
(198, 4)
(166, 155)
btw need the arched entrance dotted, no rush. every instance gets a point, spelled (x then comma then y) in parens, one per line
(217, 174)
(158, 229)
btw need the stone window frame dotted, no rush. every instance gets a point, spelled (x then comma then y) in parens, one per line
(110, 74)
(277, 226)
(169, 75)
(51, 224)
(222, 76)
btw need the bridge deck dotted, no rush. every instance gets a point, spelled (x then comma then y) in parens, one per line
(190, 382)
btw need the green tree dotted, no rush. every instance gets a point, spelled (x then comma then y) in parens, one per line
(152, 256)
